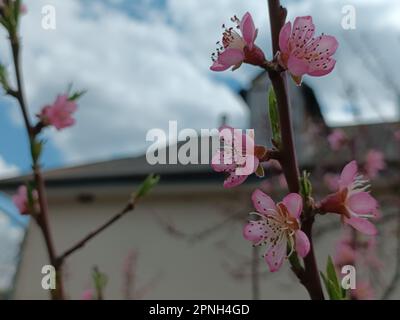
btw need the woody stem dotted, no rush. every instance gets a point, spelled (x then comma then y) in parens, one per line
(43, 218)
(309, 276)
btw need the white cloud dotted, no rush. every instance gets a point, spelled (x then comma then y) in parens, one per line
(142, 72)
(7, 170)
(10, 239)
(137, 73)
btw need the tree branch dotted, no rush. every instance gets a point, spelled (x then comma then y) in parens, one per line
(80, 244)
(43, 218)
(310, 277)
(396, 276)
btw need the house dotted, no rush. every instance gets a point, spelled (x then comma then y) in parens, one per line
(187, 231)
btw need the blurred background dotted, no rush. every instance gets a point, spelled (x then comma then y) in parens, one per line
(146, 62)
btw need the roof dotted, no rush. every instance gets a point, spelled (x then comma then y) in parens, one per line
(125, 170)
(134, 169)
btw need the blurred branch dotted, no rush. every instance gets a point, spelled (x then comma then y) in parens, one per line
(255, 276)
(130, 206)
(396, 276)
(195, 237)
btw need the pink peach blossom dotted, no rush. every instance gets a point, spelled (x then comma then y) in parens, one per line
(282, 181)
(87, 295)
(59, 113)
(363, 291)
(331, 181)
(236, 158)
(337, 139)
(278, 228)
(352, 201)
(235, 48)
(344, 254)
(375, 162)
(397, 135)
(23, 9)
(301, 53)
(266, 186)
(20, 199)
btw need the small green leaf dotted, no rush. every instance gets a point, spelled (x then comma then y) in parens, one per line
(331, 271)
(31, 199)
(100, 280)
(294, 261)
(76, 95)
(274, 118)
(260, 171)
(305, 185)
(330, 288)
(37, 147)
(4, 78)
(332, 283)
(149, 183)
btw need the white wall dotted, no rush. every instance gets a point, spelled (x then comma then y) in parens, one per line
(185, 270)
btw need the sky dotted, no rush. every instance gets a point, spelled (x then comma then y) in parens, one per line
(146, 62)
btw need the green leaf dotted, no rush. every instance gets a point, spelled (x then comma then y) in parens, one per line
(149, 183)
(16, 10)
(76, 95)
(332, 283)
(330, 288)
(100, 280)
(274, 118)
(37, 147)
(305, 185)
(294, 261)
(331, 271)
(4, 78)
(260, 171)
(31, 199)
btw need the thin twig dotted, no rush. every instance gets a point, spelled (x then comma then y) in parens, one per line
(80, 244)
(396, 276)
(43, 218)
(255, 274)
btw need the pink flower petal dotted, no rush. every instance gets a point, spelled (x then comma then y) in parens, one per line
(227, 134)
(294, 203)
(302, 243)
(221, 162)
(263, 203)
(297, 79)
(362, 225)
(348, 174)
(234, 180)
(219, 67)
(250, 166)
(344, 254)
(319, 72)
(296, 66)
(327, 45)
(284, 35)
(276, 254)
(231, 57)
(248, 30)
(20, 199)
(255, 231)
(362, 203)
(303, 30)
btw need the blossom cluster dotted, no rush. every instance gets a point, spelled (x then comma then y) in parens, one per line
(278, 226)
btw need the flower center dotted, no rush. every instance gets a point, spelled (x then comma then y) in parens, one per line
(230, 39)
